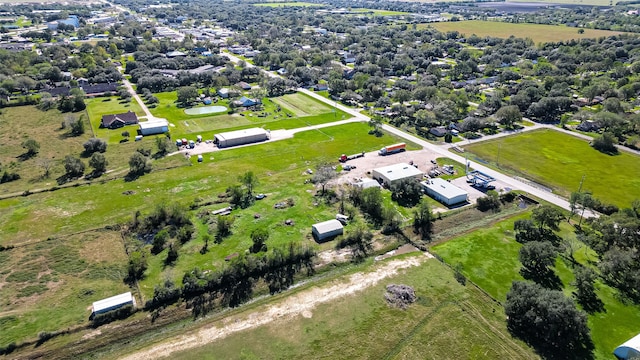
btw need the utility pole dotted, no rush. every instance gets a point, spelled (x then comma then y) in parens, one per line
(581, 182)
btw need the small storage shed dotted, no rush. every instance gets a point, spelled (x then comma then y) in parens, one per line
(326, 230)
(157, 126)
(241, 137)
(391, 174)
(444, 191)
(629, 350)
(112, 303)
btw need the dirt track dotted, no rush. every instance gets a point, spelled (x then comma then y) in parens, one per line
(302, 303)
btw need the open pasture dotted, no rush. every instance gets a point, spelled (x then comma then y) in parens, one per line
(537, 32)
(489, 258)
(559, 161)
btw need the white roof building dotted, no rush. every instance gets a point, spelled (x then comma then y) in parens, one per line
(394, 173)
(444, 191)
(367, 183)
(326, 229)
(112, 303)
(629, 350)
(155, 126)
(240, 137)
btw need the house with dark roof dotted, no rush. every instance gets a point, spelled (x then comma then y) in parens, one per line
(115, 121)
(439, 131)
(243, 85)
(246, 102)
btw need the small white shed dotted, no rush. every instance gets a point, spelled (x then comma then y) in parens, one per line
(326, 230)
(112, 303)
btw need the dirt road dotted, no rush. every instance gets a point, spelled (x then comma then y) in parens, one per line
(299, 304)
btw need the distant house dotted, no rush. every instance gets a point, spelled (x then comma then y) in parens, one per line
(282, 71)
(439, 131)
(588, 125)
(326, 230)
(348, 58)
(173, 54)
(243, 85)
(321, 87)
(223, 93)
(246, 102)
(116, 121)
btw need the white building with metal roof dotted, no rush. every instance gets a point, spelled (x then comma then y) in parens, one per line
(155, 126)
(241, 137)
(326, 230)
(629, 350)
(391, 174)
(112, 303)
(444, 191)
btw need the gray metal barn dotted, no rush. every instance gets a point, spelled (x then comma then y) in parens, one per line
(391, 174)
(241, 137)
(326, 230)
(444, 191)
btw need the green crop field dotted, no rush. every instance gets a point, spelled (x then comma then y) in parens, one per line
(489, 258)
(536, 32)
(559, 161)
(302, 105)
(448, 321)
(289, 3)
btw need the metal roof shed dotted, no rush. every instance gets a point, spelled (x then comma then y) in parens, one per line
(444, 191)
(326, 230)
(157, 126)
(241, 137)
(629, 350)
(394, 173)
(112, 303)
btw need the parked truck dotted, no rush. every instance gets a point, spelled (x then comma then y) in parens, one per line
(345, 158)
(392, 149)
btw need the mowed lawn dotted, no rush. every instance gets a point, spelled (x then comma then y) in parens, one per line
(489, 258)
(559, 161)
(277, 165)
(448, 321)
(537, 32)
(99, 106)
(51, 285)
(302, 104)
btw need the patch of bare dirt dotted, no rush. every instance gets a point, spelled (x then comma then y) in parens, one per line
(301, 303)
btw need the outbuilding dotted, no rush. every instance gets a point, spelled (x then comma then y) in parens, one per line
(444, 191)
(391, 174)
(367, 183)
(112, 303)
(326, 230)
(240, 137)
(629, 350)
(151, 127)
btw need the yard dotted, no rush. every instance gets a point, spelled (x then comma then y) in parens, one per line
(537, 32)
(459, 322)
(99, 106)
(559, 161)
(489, 257)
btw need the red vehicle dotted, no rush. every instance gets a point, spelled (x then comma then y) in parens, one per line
(345, 158)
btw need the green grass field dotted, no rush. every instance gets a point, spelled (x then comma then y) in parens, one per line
(489, 258)
(50, 286)
(449, 321)
(99, 106)
(559, 161)
(537, 32)
(285, 112)
(289, 3)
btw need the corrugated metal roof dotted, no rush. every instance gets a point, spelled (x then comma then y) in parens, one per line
(238, 134)
(398, 171)
(444, 188)
(327, 226)
(153, 124)
(112, 301)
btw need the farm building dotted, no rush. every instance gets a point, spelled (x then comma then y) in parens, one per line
(326, 230)
(112, 303)
(629, 350)
(115, 121)
(246, 102)
(393, 173)
(444, 191)
(240, 137)
(367, 183)
(223, 93)
(157, 126)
